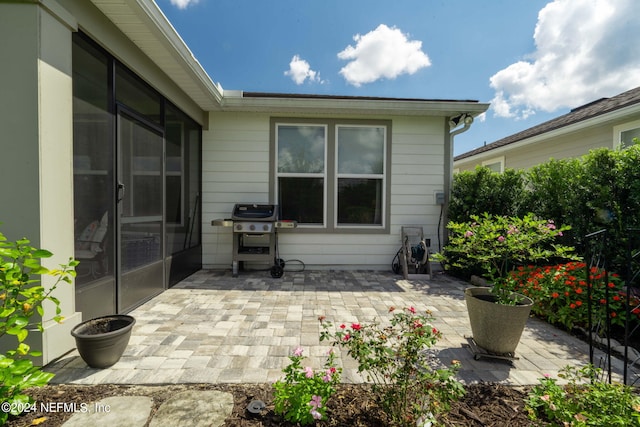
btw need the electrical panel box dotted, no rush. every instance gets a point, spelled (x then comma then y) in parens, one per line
(439, 197)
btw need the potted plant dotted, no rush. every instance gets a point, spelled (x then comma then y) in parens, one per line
(497, 244)
(101, 341)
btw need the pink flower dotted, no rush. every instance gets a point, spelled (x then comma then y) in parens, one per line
(500, 239)
(327, 376)
(315, 414)
(468, 233)
(412, 310)
(298, 351)
(346, 337)
(308, 372)
(545, 398)
(316, 402)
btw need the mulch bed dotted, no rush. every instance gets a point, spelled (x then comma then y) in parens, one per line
(352, 405)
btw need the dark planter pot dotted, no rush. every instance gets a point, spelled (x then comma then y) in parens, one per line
(496, 328)
(101, 341)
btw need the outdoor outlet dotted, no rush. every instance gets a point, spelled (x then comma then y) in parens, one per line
(439, 197)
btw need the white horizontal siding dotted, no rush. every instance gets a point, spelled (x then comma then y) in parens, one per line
(236, 169)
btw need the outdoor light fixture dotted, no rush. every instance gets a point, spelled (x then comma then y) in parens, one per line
(463, 118)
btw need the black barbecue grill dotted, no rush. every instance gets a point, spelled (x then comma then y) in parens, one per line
(255, 235)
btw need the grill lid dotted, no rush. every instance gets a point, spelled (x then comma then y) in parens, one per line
(254, 212)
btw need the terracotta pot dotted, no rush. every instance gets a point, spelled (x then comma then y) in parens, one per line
(496, 328)
(101, 341)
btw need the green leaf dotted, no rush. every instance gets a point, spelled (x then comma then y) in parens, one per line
(42, 253)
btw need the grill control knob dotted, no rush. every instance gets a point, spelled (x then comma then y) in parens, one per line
(252, 227)
(238, 227)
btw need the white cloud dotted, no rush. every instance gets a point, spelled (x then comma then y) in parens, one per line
(183, 4)
(300, 70)
(585, 50)
(382, 53)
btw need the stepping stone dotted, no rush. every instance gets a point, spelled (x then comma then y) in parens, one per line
(192, 408)
(121, 411)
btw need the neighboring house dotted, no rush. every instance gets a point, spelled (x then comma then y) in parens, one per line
(607, 122)
(119, 150)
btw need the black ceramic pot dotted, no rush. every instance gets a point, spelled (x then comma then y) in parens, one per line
(101, 341)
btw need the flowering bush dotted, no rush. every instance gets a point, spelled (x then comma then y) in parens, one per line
(497, 244)
(560, 293)
(394, 360)
(303, 394)
(584, 401)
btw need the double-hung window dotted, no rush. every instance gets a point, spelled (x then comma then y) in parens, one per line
(332, 175)
(360, 155)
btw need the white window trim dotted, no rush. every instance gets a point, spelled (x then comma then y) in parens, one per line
(617, 132)
(494, 160)
(382, 176)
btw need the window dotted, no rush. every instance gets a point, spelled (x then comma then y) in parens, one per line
(624, 135)
(332, 175)
(360, 189)
(496, 164)
(301, 168)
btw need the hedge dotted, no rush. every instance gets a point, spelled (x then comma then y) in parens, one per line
(600, 190)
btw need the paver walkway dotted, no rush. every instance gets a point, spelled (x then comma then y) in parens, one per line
(213, 328)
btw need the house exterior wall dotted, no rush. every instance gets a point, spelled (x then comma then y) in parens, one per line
(37, 154)
(525, 156)
(236, 170)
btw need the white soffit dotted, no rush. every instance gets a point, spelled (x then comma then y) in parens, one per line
(146, 26)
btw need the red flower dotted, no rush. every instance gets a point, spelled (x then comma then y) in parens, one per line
(346, 337)
(355, 326)
(614, 314)
(578, 290)
(555, 295)
(412, 310)
(572, 306)
(342, 326)
(417, 324)
(578, 303)
(611, 285)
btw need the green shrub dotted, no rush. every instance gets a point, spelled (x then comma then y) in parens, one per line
(483, 190)
(498, 244)
(393, 357)
(584, 401)
(302, 395)
(599, 190)
(21, 298)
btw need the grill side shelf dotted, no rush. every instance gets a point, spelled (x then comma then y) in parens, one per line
(222, 223)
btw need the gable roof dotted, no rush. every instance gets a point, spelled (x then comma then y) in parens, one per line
(579, 114)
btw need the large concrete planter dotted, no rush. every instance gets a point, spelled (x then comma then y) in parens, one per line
(101, 341)
(496, 328)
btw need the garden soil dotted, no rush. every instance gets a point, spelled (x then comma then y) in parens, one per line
(352, 405)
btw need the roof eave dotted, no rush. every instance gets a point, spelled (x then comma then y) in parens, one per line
(573, 127)
(165, 48)
(235, 101)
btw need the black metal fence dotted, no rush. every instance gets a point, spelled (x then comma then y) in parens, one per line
(600, 330)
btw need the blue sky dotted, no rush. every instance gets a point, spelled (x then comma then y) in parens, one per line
(532, 59)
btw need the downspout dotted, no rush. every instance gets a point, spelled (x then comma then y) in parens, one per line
(466, 120)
